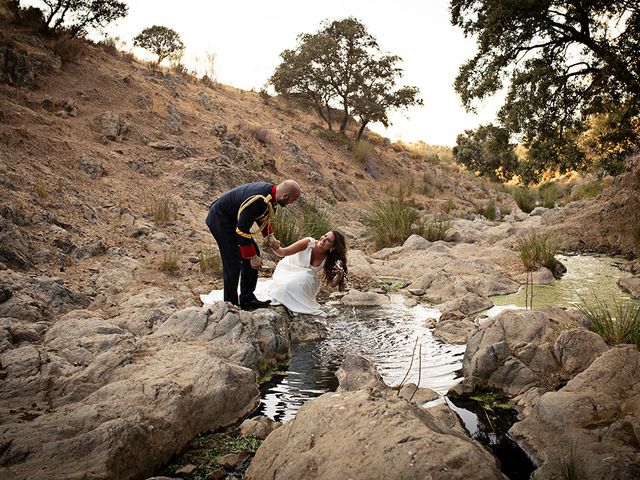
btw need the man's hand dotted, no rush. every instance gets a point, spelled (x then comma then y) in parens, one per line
(256, 262)
(273, 242)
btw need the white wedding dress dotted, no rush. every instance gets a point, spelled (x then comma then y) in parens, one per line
(294, 284)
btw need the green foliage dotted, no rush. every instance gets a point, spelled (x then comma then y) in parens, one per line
(616, 321)
(205, 451)
(77, 16)
(209, 260)
(487, 151)
(390, 221)
(286, 227)
(550, 193)
(315, 220)
(586, 190)
(490, 401)
(435, 228)
(341, 69)
(525, 199)
(537, 250)
(561, 62)
(161, 41)
(490, 210)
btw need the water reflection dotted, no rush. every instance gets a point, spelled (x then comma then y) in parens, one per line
(586, 275)
(387, 335)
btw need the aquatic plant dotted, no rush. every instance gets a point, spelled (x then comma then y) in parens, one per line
(536, 250)
(616, 321)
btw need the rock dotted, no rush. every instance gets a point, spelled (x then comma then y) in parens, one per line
(360, 265)
(204, 100)
(364, 299)
(516, 351)
(416, 242)
(308, 328)
(92, 167)
(630, 285)
(456, 332)
(47, 103)
(260, 427)
(576, 349)
(111, 125)
(419, 396)
(15, 249)
(16, 67)
(379, 437)
(358, 372)
(542, 276)
(536, 212)
(590, 423)
(232, 460)
(467, 304)
(186, 470)
(418, 292)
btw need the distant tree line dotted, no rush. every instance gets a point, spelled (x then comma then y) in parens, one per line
(342, 69)
(571, 69)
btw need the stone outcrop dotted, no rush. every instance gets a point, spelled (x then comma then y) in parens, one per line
(367, 433)
(115, 395)
(520, 349)
(592, 423)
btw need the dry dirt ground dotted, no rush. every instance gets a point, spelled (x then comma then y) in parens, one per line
(89, 148)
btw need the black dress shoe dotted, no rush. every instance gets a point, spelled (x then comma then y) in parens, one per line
(253, 304)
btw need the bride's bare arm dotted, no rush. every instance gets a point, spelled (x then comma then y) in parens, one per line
(293, 248)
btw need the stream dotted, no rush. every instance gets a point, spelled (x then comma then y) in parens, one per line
(387, 335)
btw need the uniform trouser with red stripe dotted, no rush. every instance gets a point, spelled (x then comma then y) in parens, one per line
(234, 267)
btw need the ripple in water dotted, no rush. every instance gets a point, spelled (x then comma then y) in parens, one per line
(387, 335)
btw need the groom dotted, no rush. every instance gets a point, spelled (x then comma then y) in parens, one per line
(230, 220)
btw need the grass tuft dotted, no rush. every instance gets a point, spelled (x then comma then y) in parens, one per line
(209, 260)
(390, 221)
(436, 228)
(616, 321)
(537, 250)
(361, 151)
(525, 199)
(161, 210)
(169, 263)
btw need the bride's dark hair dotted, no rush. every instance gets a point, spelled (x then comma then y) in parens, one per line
(339, 253)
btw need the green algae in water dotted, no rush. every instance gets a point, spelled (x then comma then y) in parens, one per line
(587, 275)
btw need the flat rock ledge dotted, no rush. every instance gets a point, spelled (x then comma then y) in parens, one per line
(366, 431)
(96, 394)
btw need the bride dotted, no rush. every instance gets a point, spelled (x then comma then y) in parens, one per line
(295, 281)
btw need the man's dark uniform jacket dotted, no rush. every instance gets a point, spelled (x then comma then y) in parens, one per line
(230, 220)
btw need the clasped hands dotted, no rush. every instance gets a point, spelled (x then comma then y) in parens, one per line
(273, 243)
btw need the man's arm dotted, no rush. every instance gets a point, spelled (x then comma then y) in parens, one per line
(243, 228)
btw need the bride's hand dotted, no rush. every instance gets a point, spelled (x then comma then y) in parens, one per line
(279, 251)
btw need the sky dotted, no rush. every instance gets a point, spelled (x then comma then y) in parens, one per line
(247, 37)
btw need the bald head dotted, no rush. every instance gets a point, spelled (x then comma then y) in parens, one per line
(287, 192)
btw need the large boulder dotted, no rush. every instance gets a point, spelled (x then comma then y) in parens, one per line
(365, 432)
(592, 424)
(521, 349)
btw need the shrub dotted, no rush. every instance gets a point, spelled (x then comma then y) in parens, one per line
(306, 219)
(209, 260)
(285, 227)
(550, 193)
(361, 151)
(260, 134)
(448, 206)
(161, 210)
(315, 220)
(69, 49)
(490, 210)
(435, 229)
(586, 190)
(41, 189)
(390, 221)
(617, 321)
(524, 199)
(170, 261)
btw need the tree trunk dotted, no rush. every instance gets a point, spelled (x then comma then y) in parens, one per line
(361, 131)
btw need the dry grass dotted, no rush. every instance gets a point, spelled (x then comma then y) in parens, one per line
(169, 263)
(70, 50)
(209, 260)
(161, 210)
